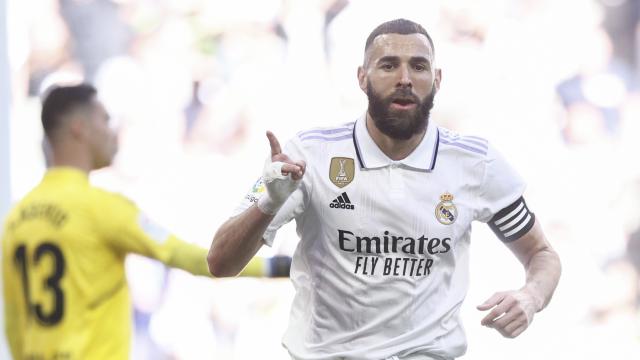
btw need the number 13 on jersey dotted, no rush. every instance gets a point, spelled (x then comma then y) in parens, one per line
(28, 262)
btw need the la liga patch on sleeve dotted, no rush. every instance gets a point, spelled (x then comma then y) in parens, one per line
(256, 192)
(152, 229)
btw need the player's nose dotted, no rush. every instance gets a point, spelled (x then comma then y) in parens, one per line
(404, 77)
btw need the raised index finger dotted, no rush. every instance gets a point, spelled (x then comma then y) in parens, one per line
(273, 142)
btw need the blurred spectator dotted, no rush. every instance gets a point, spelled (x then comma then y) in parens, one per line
(595, 96)
(50, 53)
(621, 24)
(97, 32)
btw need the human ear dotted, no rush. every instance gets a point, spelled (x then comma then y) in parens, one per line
(437, 79)
(77, 126)
(362, 81)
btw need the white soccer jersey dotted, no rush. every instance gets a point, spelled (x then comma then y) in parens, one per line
(381, 268)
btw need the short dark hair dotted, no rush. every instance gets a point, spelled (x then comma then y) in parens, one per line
(398, 26)
(60, 101)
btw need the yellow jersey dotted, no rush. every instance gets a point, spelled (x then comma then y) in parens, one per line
(63, 253)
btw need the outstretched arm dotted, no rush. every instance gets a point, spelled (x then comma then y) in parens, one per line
(240, 237)
(237, 241)
(128, 230)
(512, 311)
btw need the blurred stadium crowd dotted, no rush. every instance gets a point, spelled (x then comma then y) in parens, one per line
(194, 84)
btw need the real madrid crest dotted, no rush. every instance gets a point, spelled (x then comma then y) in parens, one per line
(341, 171)
(446, 211)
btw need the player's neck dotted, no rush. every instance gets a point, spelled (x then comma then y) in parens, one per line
(394, 149)
(70, 156)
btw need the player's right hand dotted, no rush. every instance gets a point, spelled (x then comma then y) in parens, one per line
(295, 168)
(281, 177)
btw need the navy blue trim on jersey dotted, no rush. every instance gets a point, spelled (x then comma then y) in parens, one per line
(512, 222)
(355, 145)
(435, 151)
(434, 156)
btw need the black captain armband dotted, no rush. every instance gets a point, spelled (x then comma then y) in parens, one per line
(512, 222)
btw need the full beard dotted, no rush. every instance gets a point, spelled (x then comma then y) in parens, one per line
(400, 124)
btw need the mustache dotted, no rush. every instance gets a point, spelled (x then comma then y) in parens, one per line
(403, 94)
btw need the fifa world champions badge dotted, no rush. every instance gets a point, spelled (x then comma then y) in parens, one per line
(446, 211)
(341, 171)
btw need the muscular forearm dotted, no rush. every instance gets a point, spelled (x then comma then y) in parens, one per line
(541, 264)
(236, 242)
(543, 274)
(192, 258)
(512, 311)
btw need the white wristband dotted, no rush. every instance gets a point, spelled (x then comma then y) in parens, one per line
(267, 205)
(279, 187)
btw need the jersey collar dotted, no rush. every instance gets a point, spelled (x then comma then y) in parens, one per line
(423, 158)
(66, 173)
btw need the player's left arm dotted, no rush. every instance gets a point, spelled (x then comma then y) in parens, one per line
(138, 234)
(192, 258)
(512, 311)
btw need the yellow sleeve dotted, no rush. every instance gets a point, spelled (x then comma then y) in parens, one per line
(13, 313)
(130, 231)
(193, 259)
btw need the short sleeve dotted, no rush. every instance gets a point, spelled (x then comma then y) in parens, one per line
(129, 230)
(293, 207)
(500, 187)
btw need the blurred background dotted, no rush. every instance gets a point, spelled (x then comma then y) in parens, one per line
(193, 84)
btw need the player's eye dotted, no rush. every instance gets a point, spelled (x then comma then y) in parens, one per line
(387, 66)
(420, 67)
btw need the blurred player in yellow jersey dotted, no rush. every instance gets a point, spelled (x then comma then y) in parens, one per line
(64, 245)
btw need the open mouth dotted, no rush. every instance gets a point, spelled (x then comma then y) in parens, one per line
(403, 103)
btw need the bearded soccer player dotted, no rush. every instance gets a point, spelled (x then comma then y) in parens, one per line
(65, 243)
(384, 207)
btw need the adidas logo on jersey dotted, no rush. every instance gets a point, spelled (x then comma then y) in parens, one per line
(342, 202)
